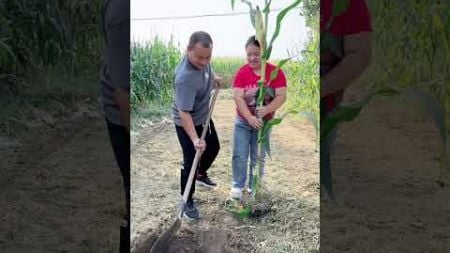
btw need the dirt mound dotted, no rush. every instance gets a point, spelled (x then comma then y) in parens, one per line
(196, 240)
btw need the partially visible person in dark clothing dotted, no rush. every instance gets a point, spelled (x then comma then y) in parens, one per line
(115, 89)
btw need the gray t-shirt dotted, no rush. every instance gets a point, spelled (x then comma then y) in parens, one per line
(116, 68)
(192, 92)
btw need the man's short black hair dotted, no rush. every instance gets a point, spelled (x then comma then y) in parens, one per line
(203, 37)
(252, 41)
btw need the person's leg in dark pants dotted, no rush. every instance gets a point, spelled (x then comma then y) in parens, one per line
(188, 158)
(209, 155)
(120, 141)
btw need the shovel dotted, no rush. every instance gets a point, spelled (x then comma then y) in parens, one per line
(162, 243)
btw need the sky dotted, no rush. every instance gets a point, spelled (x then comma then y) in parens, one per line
(229, 33)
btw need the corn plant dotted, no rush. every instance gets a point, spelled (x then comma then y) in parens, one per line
(42, 35)
(425, 82)
(152, 70)
(259, 19)
(225, 67)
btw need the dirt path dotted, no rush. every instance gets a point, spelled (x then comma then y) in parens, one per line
(61, 188)
(292, 177)
(385, 168)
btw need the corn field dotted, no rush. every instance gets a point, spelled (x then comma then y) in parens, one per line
(152, 73)
(49, 50)
(42, 35)
(226, 68)
(303, 86)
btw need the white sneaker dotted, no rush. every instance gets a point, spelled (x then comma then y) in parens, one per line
(236, 193)
(249, 190)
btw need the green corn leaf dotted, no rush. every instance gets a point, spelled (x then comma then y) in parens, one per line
(267, 7)
(252, 13)
(275, 121)
(280, 18)
(342, 114)
(256, 184)
(266, 145)
(274, 73)
(265, 133)
(267, 53)
(313, 120)
(349, 112)
(265, 138)
(253, 17)
(260, 94)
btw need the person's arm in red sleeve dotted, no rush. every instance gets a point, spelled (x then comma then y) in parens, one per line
(355, 25)
(238, 89)
(279, 84)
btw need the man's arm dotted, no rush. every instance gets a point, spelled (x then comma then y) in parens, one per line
(188, 125)
(358, 52)
(184, 100)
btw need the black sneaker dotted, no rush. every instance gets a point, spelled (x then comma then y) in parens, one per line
(191, 212)
(205, 181)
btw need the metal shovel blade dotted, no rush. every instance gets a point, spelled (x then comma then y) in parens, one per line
(162, 243)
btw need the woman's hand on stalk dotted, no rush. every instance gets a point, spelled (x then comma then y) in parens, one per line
(254, 122)
(262, 111)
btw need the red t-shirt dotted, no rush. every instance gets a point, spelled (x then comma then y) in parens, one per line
(247, 79)
(355, 19)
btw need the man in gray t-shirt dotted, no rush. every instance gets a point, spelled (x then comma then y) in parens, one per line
(193, 85)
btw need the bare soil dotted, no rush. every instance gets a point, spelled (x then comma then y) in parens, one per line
(61, 187)
(385, 168)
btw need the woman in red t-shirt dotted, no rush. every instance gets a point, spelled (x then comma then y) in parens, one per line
(248, 120)
(353, 29)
